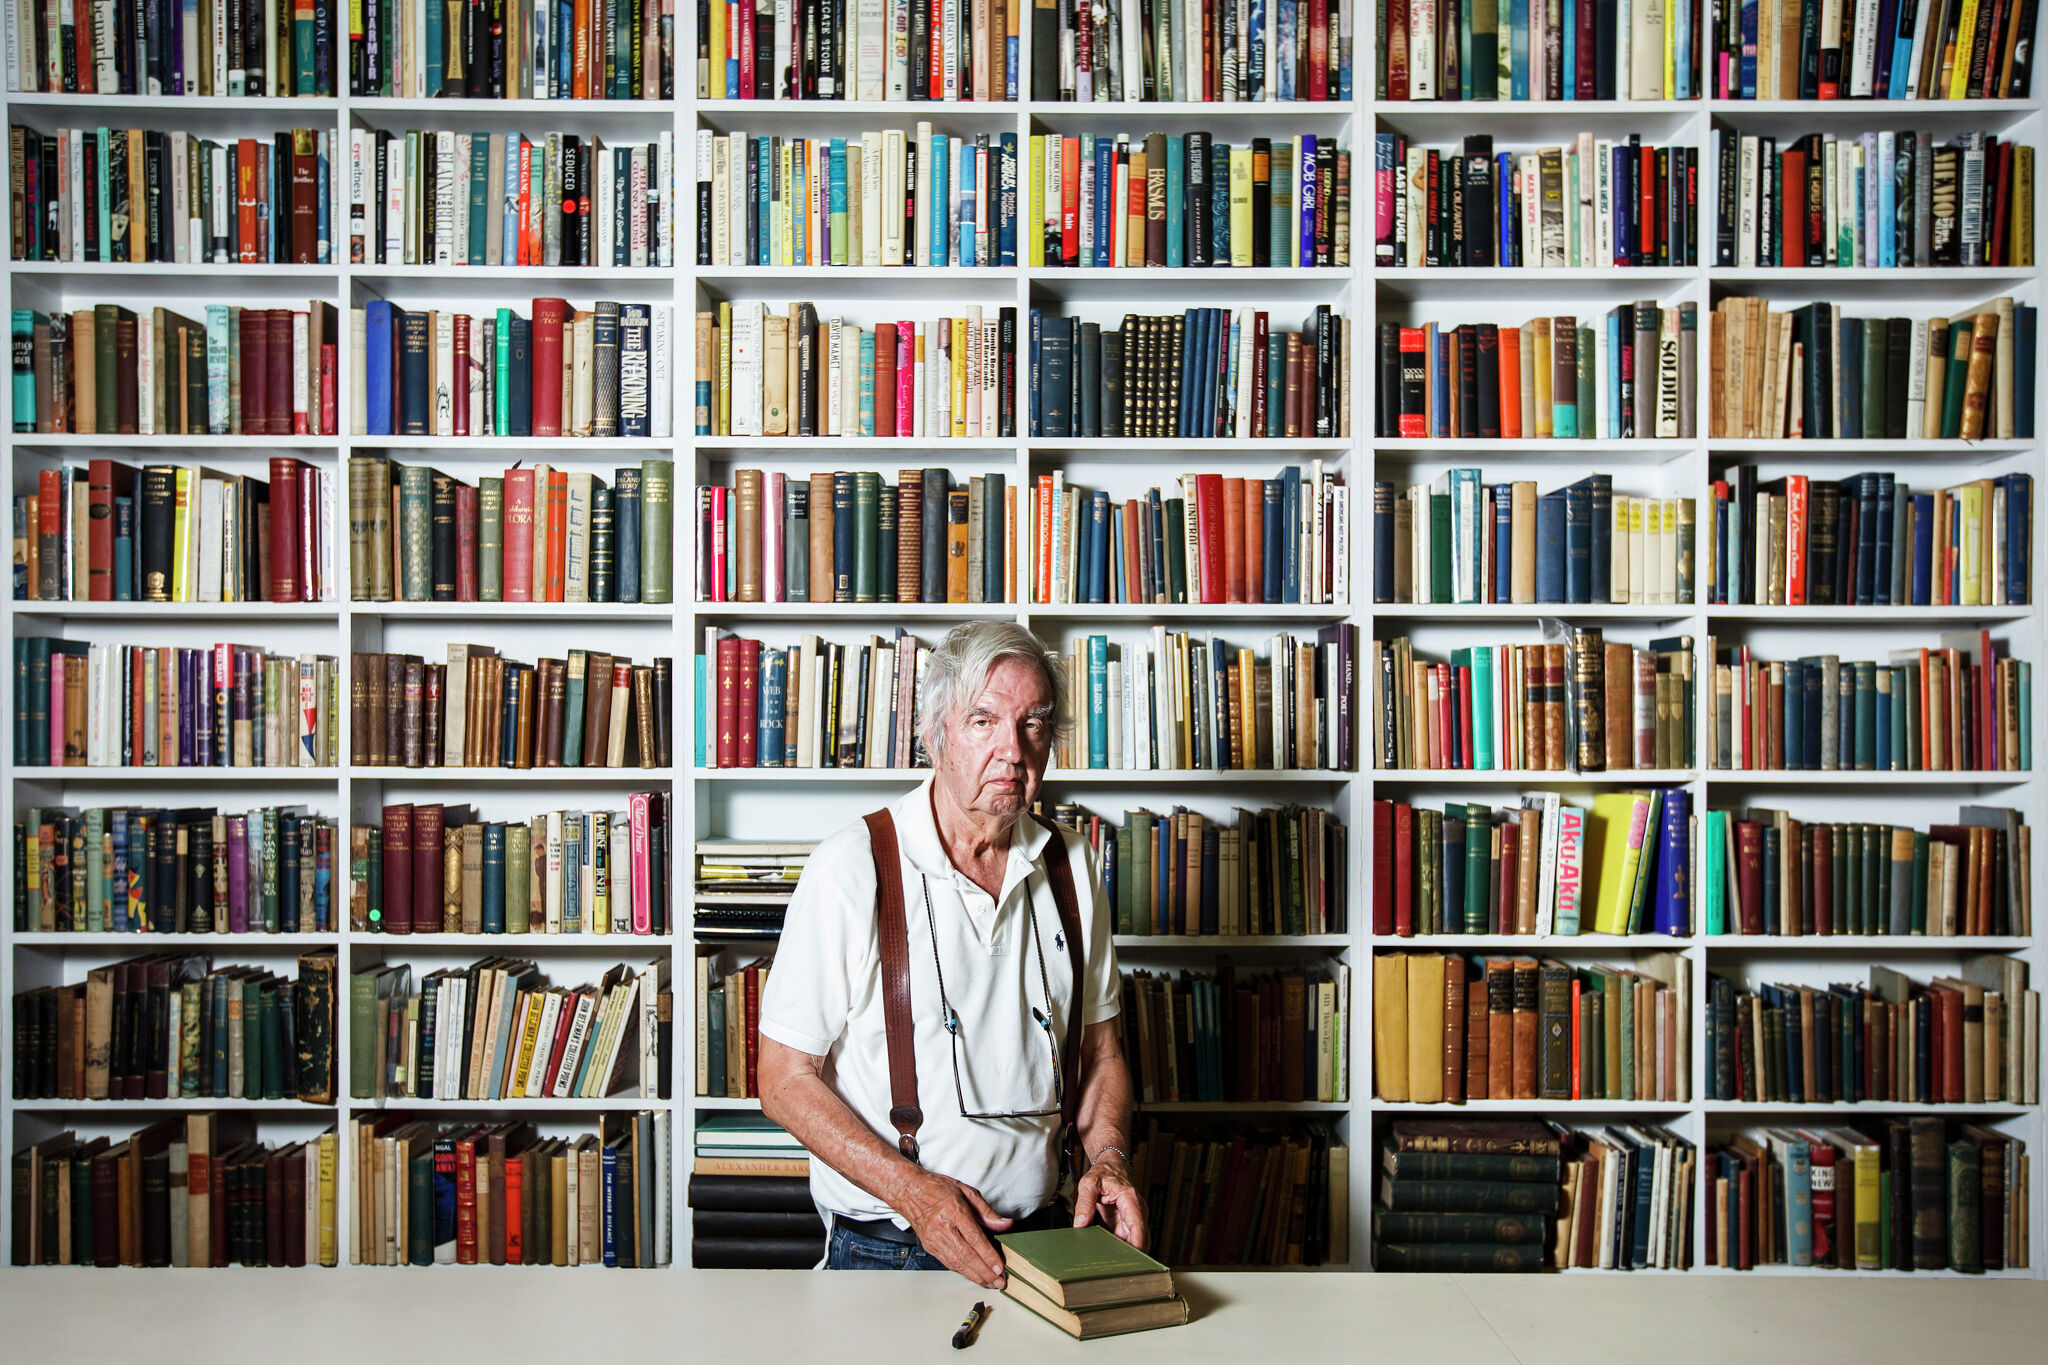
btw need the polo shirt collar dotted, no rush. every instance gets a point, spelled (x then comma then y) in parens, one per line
(917, 837)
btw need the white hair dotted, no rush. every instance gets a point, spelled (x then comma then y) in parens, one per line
(959, 668)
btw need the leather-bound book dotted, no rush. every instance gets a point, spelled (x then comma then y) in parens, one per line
(428, 867)
(412, 720)
(823, 528)
(597, 709)
(747, 534)
(1390, 1028)
(1525, 1025)
(643, 713)
(398, 869)
(551, 680)
(957, 510)
(1478, 1042)
(1455, 1019)
(909, 534)
(1977, 382)
(1500, 1019)
(550, 315)
(1554, 991)
(1928, 1198)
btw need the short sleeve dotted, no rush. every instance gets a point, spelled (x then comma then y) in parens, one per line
(827, 936)
(1104, 988)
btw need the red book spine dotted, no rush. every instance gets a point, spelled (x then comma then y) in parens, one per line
(1796, 532)
(429, 861)
(278, 385)
(50, 516)
(885, 379)
(99, 533)
(565, 1021)
(1209, 537)
(250, 240)
(398, 875)
(1383, 868)
(330, 382)
(1463, 682)
(1255, 540)
(1070, 201)
(1233, 539)
(284, 529)
(465, 1201)
(255, 369)
(465, 543)
(746, 46)
(558, 535)
(515, 1211)
(548, 317)
(518, 564)
(1646, 214)
(728, 701)
(754, 1031)
(1134, 584)
(1404, 870)
(749, 714)
(1319, 48)
(1791, 222)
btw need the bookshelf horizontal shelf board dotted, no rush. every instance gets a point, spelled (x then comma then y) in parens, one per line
(1553, 119)
(483, 613)
(1285, 296)
(179, 1102)
(1766, 777)
(1765, 1107)
(1080, 276)
(1559, 942)
(71, 440)
(570, 1105)
(182, 611)
(1138, 611)
(1585, 1106)
(1862, 111)
(257, 104)
(878, 775)
(856, 611)
(1863, 616)
(1181, 448)
(1894, 1274)
(448, 108)
(547, 277)
(1591, 287)
(1147, 113)
(969, 447)
(249, 941)
(1624, 777)
(1887, 943)
(725, 1102)
(522, 446)
(1497, 611)
(801, 276)
(360, 938)
(1533, 108)
(224, 776)
(1862, 448)
(1244, 1107)
(987, 111)
(1229, 942)
(1864, 274)
(1200, 776)
(521, 776)
(104, 274)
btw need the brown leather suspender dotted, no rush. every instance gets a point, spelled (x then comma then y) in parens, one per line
(892, 936)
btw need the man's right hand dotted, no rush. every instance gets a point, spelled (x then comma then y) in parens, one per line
(953, 1221)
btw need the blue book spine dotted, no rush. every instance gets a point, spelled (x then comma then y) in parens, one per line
(1882, 705)
(1614, 377)
(378, 317)
(1720, 585)
(1105, 182)
(1176, 192)
(1749, 49)
(1290, 517)
(1006, 199)
(835, 203)
(1305, 199)
(703, 686)
(117, 898)
(124, 549)
(1674, 862)
(1518, 28)
(774, 698)
(968, 162)
(1795, 715)
(493, 921)
(1503, 543)
(1288, 24)
(1601, 500)
(1037, 330)
(1887, 508)
(1571, 51)
(1255, 61)
(1272, 505)
(1098, 700)
(1505, 226)
(1550, 547)
(608, 1217)
(1440, 387)
(323, 180)
(1578, 544)
(1098, 547)
(508, 221)
(2019, 531)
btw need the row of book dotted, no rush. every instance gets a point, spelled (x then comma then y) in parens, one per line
(1224, 1037)
(482, 710)
(813, 704)
(1204, 373)
(831, 50)
(761, 1219)
(1633, 374)
(422, 870)
(1583, 204)
(402, 48)
(196, 1190)
(533, 534)
(93, 195)
(1279, 870)
(495, 1031)
(1459, 539)
(165, 706)
(1967, 1039)
(175, 533)
(1180, 702)
(878, 198)
(1884, 1195)
(1876, 199)
(1450, 1029)
(1811, 372)
(597, 372)
(760, 373)
(497, 1193)
(1802, 49)
(1225, 539)
(728, 1024)
(1586, 705)
(107, 370)
(447, 198)
(1545, 868)
(171, 1025)
(1870, 540)
(846, 536)
(1276, 1195)
(744, 886)
(1763, 872)
(1289, 50)
(128, 870)
(1956, 707)
(1515, 50)
(1172, 200)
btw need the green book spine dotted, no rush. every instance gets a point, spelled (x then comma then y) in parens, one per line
(885, 543)
(272, 1021)
(490, 548)
(1431, 833)
(867, 536)
(1714, 881)
(270, 909)
(1440, 547)
(1875, 334)
(714, 1083)
(657, 530)
(1142, 838)
(501, 380)
(95, 915)
(1958, 376)
(362, 1031)
(1965, 1241)
(492, 912)
(572, 709)
(479, 195)
(518, 876)
(106, 395)
(1176, 552)
(415, 533)
(1444, 1231)
(1469, 1196)
(1124, 838)
(1478, 868)
(1885, 1259)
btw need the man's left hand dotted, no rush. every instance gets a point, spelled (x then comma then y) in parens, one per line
(1106, 1192)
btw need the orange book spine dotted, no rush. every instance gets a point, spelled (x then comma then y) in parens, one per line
(1510, 383)
(558, 535)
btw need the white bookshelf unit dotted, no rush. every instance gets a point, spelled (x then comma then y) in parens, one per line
(762, 803)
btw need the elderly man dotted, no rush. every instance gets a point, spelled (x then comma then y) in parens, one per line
(941, 1013)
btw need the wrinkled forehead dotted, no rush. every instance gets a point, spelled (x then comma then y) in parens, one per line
(1013, 690)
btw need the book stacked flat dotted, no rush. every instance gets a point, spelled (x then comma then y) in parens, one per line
(1219, 1195)
(197, 1190)
(196, 871)
(1088, 1282)
(1467, 1195)
(1515, 50)
(729, 1024)
(1447, 1029)
(750, 1198)
(1762, 872)
(1967, 1039)
(1219, 1036)
(744, 887)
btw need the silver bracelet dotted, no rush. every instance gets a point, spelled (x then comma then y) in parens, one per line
(1122, 1155)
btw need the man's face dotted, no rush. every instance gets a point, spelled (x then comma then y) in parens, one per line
(998, 742)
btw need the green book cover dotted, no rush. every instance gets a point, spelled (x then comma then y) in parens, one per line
(867, 493)
(572, 709)
(480, 218)
(501, 387)
(1957, 376)
(415, 533)
(1876, 332)
(1440, 547)
(95, 912)
(106, 394)
(1143, 836)
(1482, 716)
(1070, 1255)
(1176, 552)
(272, 1020)
(362, 1031)
(518, 876)
(1478, 868)
(1639, 898)
(657, 531)
(1714, 880)
(714, 1082)
(490, 547)
(1919, 921)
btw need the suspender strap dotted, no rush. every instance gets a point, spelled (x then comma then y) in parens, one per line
(892, 935)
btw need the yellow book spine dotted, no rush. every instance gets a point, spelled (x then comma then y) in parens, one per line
(1973, 545)
(1034, 217)
(1869, 1252)
(718, 87)
(1621, 817)
(529, 1030)
(1966, 38)
(1241, 207)
(329, 1153)
(959, 376)
(2022, 234)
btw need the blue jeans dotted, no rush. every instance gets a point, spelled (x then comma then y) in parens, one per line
(850, 1250)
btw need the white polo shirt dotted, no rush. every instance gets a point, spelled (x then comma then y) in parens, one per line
(824, 997)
